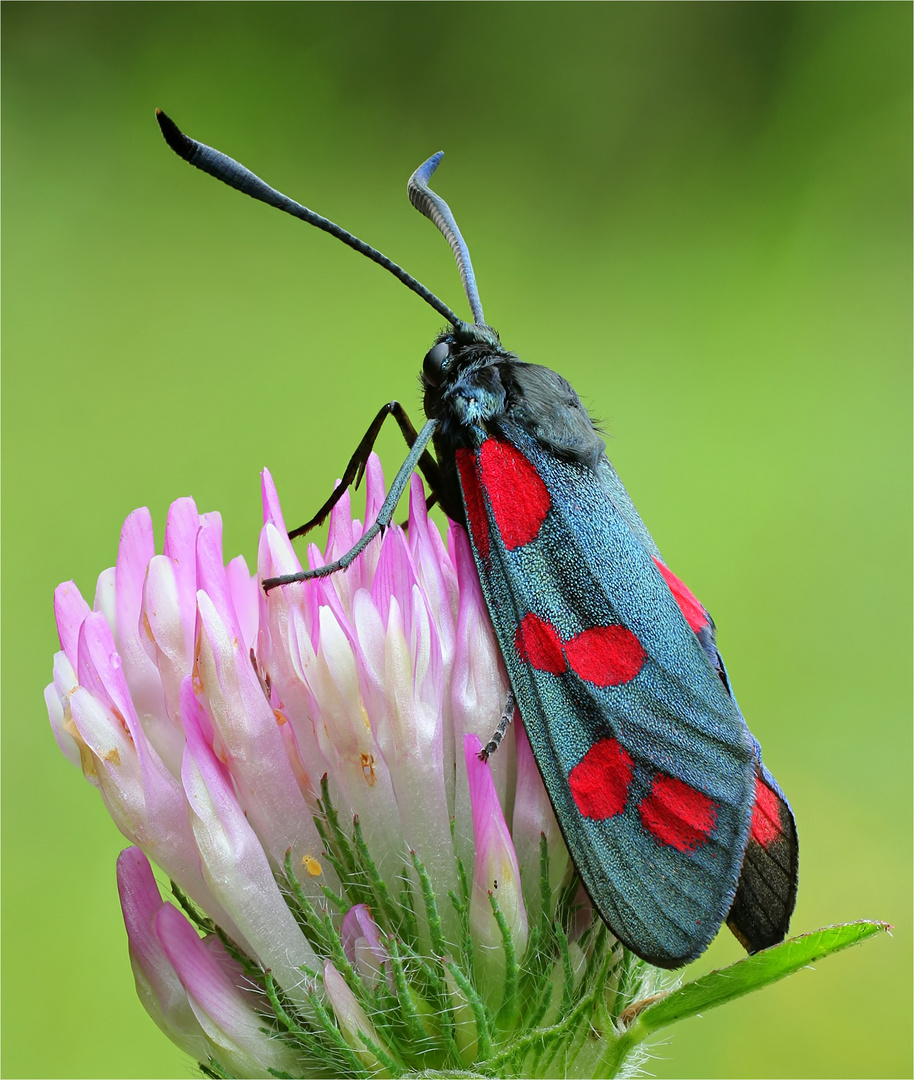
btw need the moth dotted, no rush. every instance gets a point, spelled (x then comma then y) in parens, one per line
(673, 822)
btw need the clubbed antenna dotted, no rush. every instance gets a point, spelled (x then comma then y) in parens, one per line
(431, 204)
(237, 176)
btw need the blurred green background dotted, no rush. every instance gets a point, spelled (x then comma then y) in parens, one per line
(698, 213)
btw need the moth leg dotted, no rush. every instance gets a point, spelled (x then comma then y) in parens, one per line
(506, 717)
(355, 470)
(384, 518)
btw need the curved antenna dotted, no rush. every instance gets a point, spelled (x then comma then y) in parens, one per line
(237, 176)
(431, 204)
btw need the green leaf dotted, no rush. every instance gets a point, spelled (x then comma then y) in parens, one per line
(745, 976)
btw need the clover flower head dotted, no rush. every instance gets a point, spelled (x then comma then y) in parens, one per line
(354, 891)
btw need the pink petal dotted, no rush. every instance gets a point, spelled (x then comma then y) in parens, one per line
(69, 610)
(340, 536)
(290, 696)
(272, 511)
(144, 798)
(140, 903)
(164, 630)
(395, 574)
(479, 683)
(235, 864)
(357, 770)
(211, 577)
(181, 548)
(134, 552)
(111, 762)
(275, 557)
(248, 739)
(99, 668)
(105, 601)
(371, 636)
(434, 571)
(221, 999)
(495, 872)
(375, 488)
(136, 548)
(357, 922)
(57, 712)
(157, 983)
(411, 742)
(352, 1018)
(245, 593)
(208, 981)
(363, 944)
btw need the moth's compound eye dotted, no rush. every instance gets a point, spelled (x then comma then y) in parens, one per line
(435, 363)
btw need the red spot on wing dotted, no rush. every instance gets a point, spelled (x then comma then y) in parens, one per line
(603, 655)
(472, 499)
(600, 781)
(676, 814)
(606, 655)
(538, 643)
(766, 815)
(689, 604)
(515, 490)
